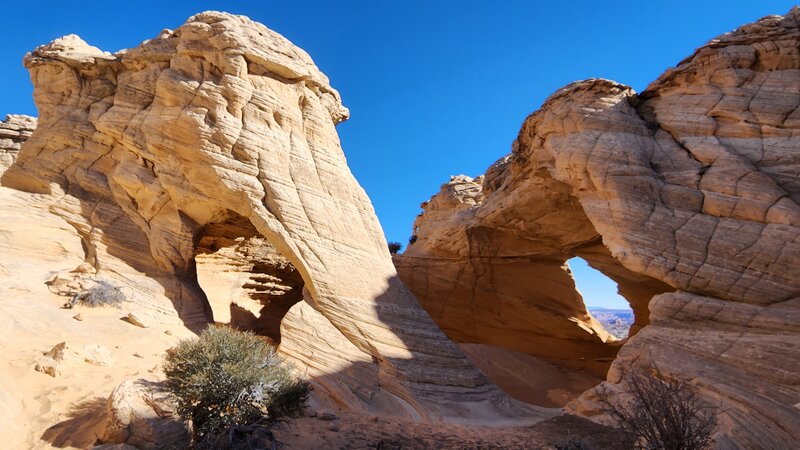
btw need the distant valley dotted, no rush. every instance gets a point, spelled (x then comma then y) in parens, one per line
(615, 321)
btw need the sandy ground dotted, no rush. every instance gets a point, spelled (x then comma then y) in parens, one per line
(37, 410)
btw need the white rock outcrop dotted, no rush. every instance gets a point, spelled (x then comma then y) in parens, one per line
(15, 130)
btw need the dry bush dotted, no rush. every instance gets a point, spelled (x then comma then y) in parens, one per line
(395, 247)
(102, 293)
(226, 381)
(661, 413)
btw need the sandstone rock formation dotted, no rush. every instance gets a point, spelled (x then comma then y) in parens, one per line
(15, 130)
(38, 410)
(141, 413)
(249, 284)
(52, 361)
(687, 194)
(153, 152)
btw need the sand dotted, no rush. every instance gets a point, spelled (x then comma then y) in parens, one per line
(37, 410)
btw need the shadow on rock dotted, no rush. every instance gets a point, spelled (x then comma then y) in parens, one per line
(81, 429)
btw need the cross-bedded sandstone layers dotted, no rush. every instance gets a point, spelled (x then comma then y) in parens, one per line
(691, 186)
(15, 130)
(224, 119)
(248, 283)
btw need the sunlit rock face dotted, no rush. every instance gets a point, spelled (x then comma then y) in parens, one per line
(146, 150)
(14, 131)
(686, 194)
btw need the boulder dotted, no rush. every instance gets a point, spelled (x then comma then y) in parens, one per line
(141, 414)
(97, 355)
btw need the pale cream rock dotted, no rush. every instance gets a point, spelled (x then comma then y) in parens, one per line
(219, 121)
(97, 354)
(50, 362)
(139, 319)
(15, 130)
(49, 366)
(141, 413)
(53, 362)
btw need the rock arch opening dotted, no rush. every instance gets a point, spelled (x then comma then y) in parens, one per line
(601, 297)
(249, 284)
(495, 276)
(523, 319)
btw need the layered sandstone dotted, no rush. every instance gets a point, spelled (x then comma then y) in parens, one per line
(248, 283)
(38, 410)
(14, 131)
(167, 154)
(686, 194)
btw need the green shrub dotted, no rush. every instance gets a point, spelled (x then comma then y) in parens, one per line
(395, 247)
(226, 378)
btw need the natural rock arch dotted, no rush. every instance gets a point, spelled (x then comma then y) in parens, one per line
(489, 263)
(689, 190)
(248, 282)
(143, 149)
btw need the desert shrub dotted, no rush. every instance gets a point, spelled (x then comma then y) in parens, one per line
(226, 380)
(102, 293)
(395, 247)
(661, 413)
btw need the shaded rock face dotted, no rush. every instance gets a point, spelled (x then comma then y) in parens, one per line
(14, 131)
(686, 195)
(249, 284)
(146, 150)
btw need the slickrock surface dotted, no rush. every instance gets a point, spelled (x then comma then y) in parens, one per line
(37, 410)
(15, 130)
(691, 186)
(152, 152)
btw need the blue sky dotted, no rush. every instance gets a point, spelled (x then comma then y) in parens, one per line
(435, 88)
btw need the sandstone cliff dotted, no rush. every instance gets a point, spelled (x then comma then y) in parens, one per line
(15, 130)
(686, 195)
(218, 138)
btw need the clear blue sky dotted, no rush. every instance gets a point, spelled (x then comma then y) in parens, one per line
(435, 88)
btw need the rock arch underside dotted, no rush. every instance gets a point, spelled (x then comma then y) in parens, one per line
(249, 284)
(201, 172)
(686, 195)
